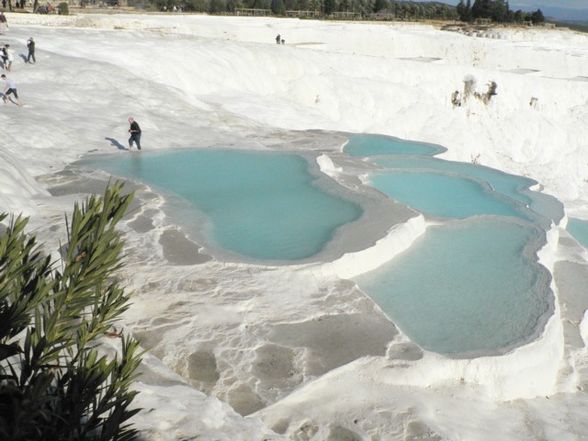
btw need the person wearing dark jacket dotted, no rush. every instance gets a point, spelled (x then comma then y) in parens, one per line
(135, 132)
(31, 48)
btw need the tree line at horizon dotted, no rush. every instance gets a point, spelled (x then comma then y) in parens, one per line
(495, 10)
(405, 10)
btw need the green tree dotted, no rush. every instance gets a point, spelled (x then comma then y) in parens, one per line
(496, 10)
(216, 6)
(232, 5)
(290, 5)
(509, 13)
(481, 9)
(260, 4)
(500, 11)
(537, 17)
(196, 5)
(278, 7)
(468, 16)
(381, 4)
(55, 384)
(329, 6)
(63, 8)
(411, 11)
(302, 5)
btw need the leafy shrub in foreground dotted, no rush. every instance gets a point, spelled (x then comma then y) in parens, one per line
(55, 384)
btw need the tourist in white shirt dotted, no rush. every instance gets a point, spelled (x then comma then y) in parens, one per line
(9, 89)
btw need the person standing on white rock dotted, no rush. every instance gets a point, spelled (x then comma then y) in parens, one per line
(135, 132)
(8, 57)
(9, 89)
(31, 49)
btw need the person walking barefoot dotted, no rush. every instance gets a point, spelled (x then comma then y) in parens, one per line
(9, 89)
(135, 132)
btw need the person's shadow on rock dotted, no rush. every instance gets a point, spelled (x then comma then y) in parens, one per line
(116, 144)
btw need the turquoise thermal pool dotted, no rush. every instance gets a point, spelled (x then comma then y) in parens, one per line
(471, 285)
(508, 185)
(468, 287)
(442, 195)
(373, 145)
(412, 175)
(508, 189)
(262, 205)
(579, 229)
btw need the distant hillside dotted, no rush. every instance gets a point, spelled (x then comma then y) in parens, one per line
(558, 13)
(561, 14)
(581, 26)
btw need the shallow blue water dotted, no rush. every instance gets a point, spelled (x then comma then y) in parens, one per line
(372, 145)
(508, 185)
(464, 287)
(442, 195)
(260, 205)
(579, 229)
(512, 186)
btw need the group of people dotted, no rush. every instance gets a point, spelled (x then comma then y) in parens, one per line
(17, 4)
(9, 90)
(174, 8)
(7, 55)
(280, 40)
(7, 58)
